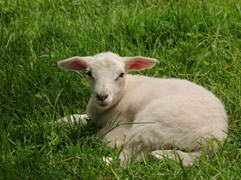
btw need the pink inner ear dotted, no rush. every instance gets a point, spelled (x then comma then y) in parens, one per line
(138, 65)
(76, 65)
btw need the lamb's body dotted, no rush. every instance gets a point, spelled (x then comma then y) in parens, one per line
(164, 113)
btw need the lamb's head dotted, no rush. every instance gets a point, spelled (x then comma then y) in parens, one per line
(106, 73)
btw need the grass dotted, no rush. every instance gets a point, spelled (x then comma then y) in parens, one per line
(195, 40)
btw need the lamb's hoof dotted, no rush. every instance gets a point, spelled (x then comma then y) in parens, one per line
(107, 160)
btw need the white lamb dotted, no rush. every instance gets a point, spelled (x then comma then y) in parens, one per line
(157, 115)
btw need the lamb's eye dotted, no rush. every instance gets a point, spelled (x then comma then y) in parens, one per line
(121, 75)
(89, 74)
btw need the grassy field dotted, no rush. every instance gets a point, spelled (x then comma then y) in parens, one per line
(195, 40)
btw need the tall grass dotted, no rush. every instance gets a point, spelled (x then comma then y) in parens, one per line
(195, 40)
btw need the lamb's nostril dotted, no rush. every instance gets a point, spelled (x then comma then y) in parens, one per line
(101, 97)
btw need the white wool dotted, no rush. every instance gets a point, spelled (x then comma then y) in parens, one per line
(156, 114)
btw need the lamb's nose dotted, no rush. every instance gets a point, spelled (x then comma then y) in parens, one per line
(101, 97)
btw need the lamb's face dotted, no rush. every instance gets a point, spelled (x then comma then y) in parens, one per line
(107, 79)
(107, 74)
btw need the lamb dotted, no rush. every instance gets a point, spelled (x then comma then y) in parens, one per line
(164, 117)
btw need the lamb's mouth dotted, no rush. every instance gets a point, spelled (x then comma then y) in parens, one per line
(101, 104)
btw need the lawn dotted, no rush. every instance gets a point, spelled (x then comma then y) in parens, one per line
(195, 40)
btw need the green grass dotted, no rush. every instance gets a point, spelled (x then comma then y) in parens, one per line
(195, 40)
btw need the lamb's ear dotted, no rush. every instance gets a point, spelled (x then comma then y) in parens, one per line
(75, 63)
(138, 63)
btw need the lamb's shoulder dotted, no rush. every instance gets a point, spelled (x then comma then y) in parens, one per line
(141, 90)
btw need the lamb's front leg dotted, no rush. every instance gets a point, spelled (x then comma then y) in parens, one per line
(75, 118)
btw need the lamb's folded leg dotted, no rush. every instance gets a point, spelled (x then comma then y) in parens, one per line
(75, 118)
(187, 158)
